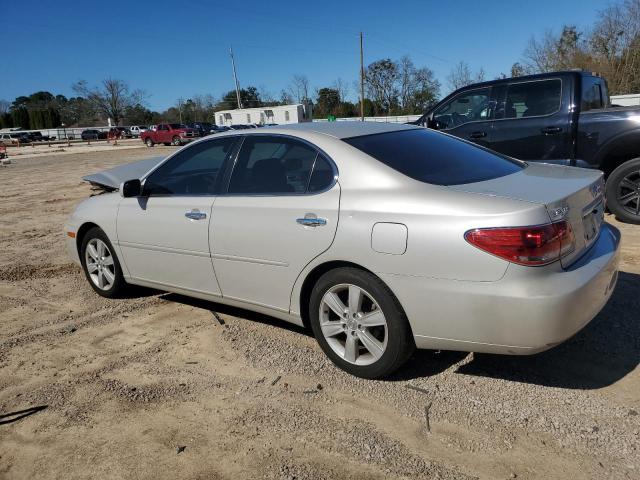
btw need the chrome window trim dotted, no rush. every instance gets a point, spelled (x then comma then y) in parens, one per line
(534, 81)
(225, 189)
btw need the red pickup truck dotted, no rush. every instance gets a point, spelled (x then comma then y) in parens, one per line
(169, 134)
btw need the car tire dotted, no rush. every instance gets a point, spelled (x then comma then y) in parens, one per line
(148, 142)
(369, 351)
(175, 141)
(101, 265)
(623, 192)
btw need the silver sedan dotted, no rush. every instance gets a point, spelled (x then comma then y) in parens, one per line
(381, 238)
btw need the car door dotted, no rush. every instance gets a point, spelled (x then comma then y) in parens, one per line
(467, 115)
(163, 134)
(532, 122)
(164, 234)
(280, 211)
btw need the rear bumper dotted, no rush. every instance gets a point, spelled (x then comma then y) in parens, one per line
(529, 310)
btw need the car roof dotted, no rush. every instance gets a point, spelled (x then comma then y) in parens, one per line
(342, 129)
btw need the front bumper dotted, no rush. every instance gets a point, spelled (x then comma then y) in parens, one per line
(529, 310)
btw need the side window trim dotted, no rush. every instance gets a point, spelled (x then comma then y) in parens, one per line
(506, 92)
(224, 191)
(490, 118)
(219, 181)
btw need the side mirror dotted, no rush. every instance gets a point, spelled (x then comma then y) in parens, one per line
(131, 188)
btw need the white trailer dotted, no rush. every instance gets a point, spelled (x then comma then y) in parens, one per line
(626, 100)
(281, 115)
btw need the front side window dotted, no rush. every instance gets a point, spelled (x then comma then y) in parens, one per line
(533, 99)
(471, 106)
(431, 157)
(272, 165)
(193, 171)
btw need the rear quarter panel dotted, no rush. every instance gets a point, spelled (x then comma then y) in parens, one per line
(435, 216)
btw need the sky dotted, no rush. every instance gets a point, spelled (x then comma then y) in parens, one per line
(173, 49)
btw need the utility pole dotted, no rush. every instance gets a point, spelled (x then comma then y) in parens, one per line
(361, 81)
(235, 77)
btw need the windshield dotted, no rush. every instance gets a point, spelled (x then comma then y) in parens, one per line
(436, 158)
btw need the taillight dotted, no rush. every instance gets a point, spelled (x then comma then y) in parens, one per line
(536, 245)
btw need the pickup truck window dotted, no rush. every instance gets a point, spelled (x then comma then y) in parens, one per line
(435, 158)
(469, 106)
(591, 94)
(162, 127)
(533, 99)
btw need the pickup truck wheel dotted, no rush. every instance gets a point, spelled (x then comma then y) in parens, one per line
(176, 141)
(149, 142)
(623, 192)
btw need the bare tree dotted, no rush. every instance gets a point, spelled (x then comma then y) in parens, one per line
(4, 106)
(112, 98)
(342, 87)
(381, 83)
(285, 97)
(460, 76)
(299, 88)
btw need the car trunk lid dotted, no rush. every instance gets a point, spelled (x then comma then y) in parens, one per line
(569, 193)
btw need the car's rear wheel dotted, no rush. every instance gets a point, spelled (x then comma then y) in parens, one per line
(359, 323)
(623, 191)
(149, 142)
(175, 141)
(101, 265)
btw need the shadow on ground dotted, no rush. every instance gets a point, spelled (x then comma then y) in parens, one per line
(601, 354)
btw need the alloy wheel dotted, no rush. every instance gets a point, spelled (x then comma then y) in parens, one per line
(353, 324)
(628, 193)
(100, 264)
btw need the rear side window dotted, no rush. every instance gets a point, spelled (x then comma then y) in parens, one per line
(432, 157)
(591, 94)
(272, 165)
(533, 99)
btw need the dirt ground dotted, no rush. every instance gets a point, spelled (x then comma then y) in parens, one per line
(158, 386)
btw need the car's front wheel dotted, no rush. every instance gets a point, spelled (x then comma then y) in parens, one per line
(623, 191)
(149, 142)
(101, 265)
(176, 141)
(359, 323)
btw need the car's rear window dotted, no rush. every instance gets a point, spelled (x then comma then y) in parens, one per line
(435, 158)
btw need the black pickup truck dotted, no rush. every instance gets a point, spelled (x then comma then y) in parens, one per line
(560, 117)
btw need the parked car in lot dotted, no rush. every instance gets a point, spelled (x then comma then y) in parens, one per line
(380, 237)
(137, 130)
(16, 138)
(560, 117)
(93, 134)
(169, 134)
(37, 137)
(203, 128)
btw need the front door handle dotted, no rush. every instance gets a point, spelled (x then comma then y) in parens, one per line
(478, 134)
(311, 220)
(551, 130)
(195, 215)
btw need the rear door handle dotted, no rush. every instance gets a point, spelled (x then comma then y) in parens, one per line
(478, 134)
(195, 215)
(311, 220)
(551, 130)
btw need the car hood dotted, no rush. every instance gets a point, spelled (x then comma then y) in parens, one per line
(113, 177)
